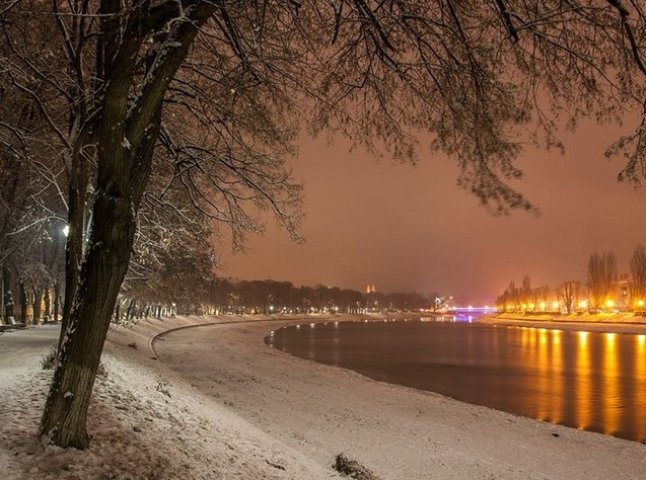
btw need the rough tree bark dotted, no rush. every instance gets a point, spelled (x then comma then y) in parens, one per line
(101, 276)
(74, 246)
(125, 139)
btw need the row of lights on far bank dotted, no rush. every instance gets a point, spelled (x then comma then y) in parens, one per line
(542, 306)
(582, 305)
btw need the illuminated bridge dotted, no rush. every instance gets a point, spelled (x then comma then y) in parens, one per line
(471, 309)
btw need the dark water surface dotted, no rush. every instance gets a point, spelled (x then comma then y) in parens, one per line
(592, 381)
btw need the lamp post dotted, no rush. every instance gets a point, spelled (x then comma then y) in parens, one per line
(65, 231)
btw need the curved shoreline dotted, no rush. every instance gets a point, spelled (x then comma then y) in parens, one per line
(285, 321)
(636, 328)
(382, 363)
(221, 404)
(156, 337)
(145, 420)
(321, 410)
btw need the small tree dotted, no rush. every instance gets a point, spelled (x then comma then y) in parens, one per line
(638, 272)
(570, 293)
(602, 277)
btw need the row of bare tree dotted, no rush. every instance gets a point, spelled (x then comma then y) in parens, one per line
(605, 288)
(172, 264)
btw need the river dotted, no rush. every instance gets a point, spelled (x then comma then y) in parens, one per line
(590, 381)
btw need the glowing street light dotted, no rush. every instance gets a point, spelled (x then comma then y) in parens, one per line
(555, 305)
(610, 303)
(66, 230)
(583, 304)
(640, 303)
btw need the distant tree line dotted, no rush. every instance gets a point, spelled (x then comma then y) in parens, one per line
(267, 296)
(605, 289)
(208, 294)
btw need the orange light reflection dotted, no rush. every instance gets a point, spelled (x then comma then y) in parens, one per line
(612, 405)
(558, 382)
(543, 363)
(583, 381)
(640, 374)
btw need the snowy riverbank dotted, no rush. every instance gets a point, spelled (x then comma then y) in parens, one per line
(600, 322)
(218, 403)
(146, 422)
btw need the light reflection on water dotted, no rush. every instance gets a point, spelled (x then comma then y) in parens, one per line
(591, 381)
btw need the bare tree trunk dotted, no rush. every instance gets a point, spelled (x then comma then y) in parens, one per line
(74, 245)
(121, 178)
(130, 313)
(23, 304)
(57, 293)
(37, 304)
(48, 305)
(7, 294)
(102, 273)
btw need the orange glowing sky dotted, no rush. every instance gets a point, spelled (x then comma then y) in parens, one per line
(407, 228)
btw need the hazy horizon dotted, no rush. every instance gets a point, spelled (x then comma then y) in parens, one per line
(411, 228)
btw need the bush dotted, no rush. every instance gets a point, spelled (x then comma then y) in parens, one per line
(352, 468)
(49, 359)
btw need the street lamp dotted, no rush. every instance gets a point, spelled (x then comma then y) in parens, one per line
(66, 230)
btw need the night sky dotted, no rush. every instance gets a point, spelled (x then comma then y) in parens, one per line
(406, 228)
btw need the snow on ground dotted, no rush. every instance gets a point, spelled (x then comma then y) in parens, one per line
(145, 423)
(399, 433)
(219, 404)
